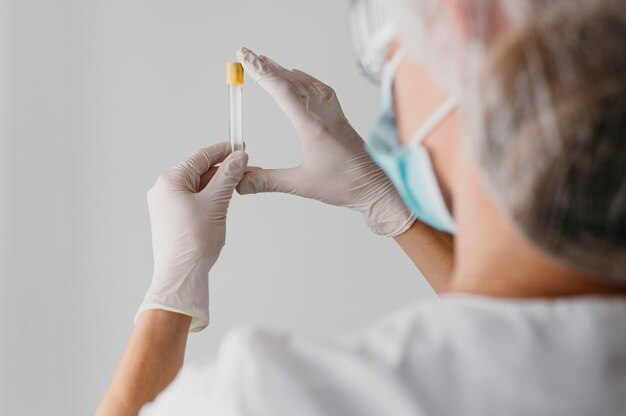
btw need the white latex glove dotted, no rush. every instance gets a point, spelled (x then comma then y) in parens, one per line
(335, 167)
(188, 223)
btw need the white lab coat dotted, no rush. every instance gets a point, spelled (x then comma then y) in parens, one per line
(458, 355)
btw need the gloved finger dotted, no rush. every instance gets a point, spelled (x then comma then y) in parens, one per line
(228, 175)
(311, 81)
(251, 64)
(204, 179)
(327, 92)
(257, 66)
(320, 87)
(275, 66)
(272, 77)
(305, 81)
(268, 180)
(199, 163)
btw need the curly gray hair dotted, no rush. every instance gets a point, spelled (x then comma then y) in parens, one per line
(549, 130)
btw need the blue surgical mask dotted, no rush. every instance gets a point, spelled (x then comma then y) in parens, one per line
(409, 167)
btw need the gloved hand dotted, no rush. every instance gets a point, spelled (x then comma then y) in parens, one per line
(188, 221)
(335, 167)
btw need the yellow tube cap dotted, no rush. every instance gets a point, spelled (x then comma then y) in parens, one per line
(234, 73)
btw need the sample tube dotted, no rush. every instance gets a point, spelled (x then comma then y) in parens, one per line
(234, 80)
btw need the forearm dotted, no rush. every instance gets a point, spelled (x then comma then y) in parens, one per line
(431, 251)
(154, 355)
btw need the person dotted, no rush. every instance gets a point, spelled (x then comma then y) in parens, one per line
(532, 321)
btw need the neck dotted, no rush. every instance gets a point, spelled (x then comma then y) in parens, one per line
(520, 282)
(493, 259)
(510, 267)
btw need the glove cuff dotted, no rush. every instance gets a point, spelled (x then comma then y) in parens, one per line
(182, 289)
(199, 319)
(392, 228)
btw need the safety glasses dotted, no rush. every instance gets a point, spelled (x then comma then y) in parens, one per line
(371, 32)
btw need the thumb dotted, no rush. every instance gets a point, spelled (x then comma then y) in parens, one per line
(269, 180)
(228, 175)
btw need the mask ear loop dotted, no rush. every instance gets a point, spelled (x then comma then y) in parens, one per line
(389, 74)
(435, 119)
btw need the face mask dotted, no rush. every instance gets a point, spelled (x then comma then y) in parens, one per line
(409, 167)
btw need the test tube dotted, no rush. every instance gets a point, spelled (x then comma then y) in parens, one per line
(234, 80)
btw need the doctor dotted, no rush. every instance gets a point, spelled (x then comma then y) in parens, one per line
(532, 321)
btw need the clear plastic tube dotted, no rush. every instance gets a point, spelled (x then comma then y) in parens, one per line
(236, 121)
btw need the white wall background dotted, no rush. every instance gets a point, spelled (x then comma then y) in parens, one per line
(99, 97)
